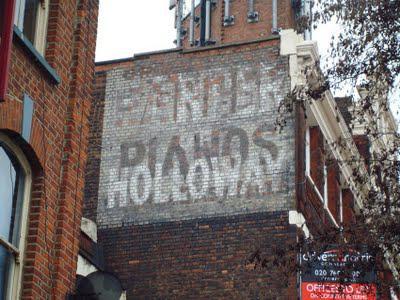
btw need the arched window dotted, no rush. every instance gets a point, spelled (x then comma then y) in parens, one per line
(15, 182)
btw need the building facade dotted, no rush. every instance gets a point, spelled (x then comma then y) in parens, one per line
(47, 63)
(187, 176)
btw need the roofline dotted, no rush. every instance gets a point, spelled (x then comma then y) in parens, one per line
(184, 51)
(164, 51)
(113, 61)
(232, 44)
(136, 56)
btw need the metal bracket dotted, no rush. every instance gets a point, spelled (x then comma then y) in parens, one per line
(252, 17)
(276, 30)
(228, 21)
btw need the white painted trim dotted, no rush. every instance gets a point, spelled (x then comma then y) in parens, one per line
(84, 267)
(333, 220)
(308, 152)
(326, 199)
(393, 295)
(297, 218)
(326, 116)
(305, 53)
(89, 228)
(41, 27)
(19, 13)
(341, 206)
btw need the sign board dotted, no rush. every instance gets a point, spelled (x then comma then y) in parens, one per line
(354, 291)
(338, 274)
(183, 142)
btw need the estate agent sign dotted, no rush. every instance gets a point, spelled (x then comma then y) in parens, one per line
(338, 274)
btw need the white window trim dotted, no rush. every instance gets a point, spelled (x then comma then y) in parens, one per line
(15, 284)
(317, 192)
(41, 22)
(323, 198)
(326, 194)
(341, 206)
(308, 152)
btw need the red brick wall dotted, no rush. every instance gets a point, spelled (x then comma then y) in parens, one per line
(200, 259)
(300, 139)
(348, 208)
(334, 190)
(58, 147)
(94, 147)
(317, 160)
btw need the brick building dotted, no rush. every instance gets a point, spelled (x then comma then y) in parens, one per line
(47, 63)
(187, 176)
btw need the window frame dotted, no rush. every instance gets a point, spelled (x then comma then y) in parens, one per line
(341, 214)
(326, 192)
(14, 284)
(42, 16)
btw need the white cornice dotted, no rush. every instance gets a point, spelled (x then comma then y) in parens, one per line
(325, 110)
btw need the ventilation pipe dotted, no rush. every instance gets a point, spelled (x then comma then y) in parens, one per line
(192, 19)
(208, 21)
(275, 16)
(228, 19)
(252, 16)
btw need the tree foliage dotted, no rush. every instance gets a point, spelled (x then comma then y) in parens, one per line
(364, 55)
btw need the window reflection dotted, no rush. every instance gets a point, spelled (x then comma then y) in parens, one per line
(11, 188)
(31, 10)
(5, 270)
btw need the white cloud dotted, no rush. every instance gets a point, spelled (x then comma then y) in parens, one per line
(131, 26)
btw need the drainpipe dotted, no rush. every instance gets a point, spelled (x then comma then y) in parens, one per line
(275, 16)
(252, 16)
(6, 27)
(228, 19)
(208, 21)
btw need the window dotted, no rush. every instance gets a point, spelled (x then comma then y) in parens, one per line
(14, 202)
(31, 20)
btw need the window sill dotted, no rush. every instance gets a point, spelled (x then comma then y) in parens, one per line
(19, 36)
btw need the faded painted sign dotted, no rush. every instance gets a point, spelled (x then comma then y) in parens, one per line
(187, 144)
